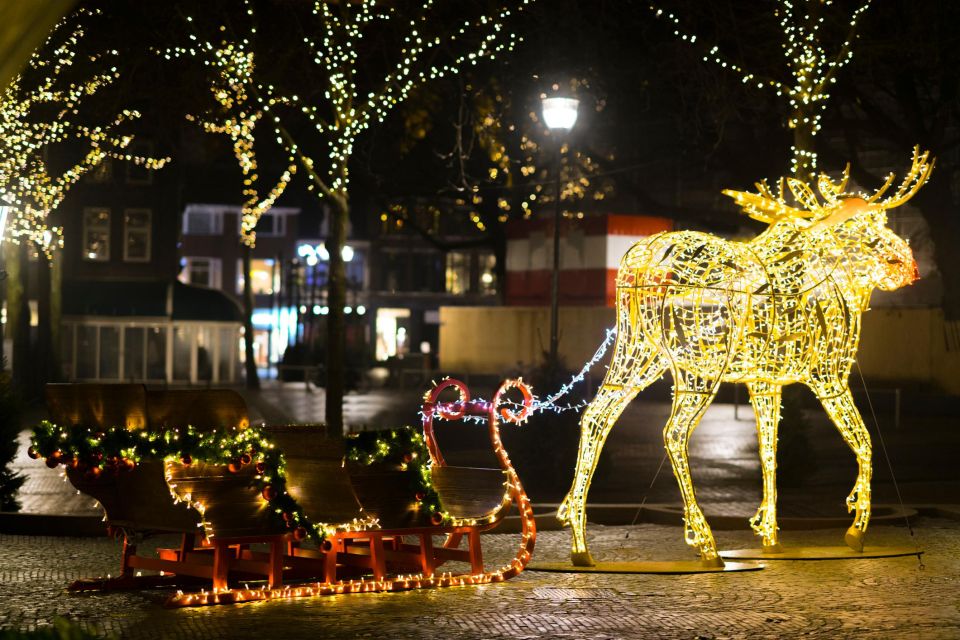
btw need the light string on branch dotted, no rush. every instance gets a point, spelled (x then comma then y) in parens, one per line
(333, 44)
(41, 108)
(813, 69)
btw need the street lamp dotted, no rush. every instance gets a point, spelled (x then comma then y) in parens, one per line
(559, 114)
(4, 212)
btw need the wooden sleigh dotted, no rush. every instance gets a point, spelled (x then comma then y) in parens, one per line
(137, 503)
(379, 539)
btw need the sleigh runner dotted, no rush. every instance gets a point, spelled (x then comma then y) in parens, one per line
(378, 536)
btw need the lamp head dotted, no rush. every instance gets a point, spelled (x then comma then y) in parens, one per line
(560, 113)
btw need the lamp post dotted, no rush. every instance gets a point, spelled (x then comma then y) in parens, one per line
(4, 211)
(559, 114)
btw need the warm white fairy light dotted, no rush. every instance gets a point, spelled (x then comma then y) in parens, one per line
(39, 109)
(812, 68)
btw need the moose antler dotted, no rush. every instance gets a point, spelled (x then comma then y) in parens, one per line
(769, 207)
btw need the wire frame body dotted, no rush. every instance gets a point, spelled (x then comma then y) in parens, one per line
(782, 308)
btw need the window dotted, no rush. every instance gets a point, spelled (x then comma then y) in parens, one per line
(202, 222)
(138, 173)
(261, 276)
(102, 173)
(96, 234)
(488, 273)
(271, 224)
(202, 271)
(458, 272)
(136, 235)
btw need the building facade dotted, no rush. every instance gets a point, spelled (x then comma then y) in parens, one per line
(125, 317)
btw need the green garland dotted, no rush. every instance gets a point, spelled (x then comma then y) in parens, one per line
(405, 448)
(96, 452)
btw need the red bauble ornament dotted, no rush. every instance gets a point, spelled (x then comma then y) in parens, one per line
(33, 453)
(52, 462)
(299, 533)
(260, 467)
(56, 455)
(97, 456)
(186, 460)
(407, 457)
(245, 459)
(93, 473)
(73, 463)
(287, 517)
(326, 546)
(269, 493)
(420, 496)
(127, 464)
(437, 518)
(233, 467)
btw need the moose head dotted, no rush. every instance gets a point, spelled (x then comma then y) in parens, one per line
(849, 229)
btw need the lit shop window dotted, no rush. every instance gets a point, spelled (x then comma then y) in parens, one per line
(264, 279)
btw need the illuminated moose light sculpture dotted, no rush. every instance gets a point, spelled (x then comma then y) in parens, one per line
(782, 308)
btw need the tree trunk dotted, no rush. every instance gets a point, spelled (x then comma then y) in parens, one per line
(803, 146)
(253, 380)
(56, 316)
(42, 357)
(336, 320)
(18, 314)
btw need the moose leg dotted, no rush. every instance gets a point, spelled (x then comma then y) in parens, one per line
(595, 425)
(843, 412)
(633, 367)
(691, 398)
(765, 398)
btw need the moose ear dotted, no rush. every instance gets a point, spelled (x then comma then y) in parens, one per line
(842, 211)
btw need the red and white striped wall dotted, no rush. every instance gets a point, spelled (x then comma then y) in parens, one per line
(590, 252)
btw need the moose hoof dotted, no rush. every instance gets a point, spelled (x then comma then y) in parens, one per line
(773, 548)
(582, 559)
(854, 539)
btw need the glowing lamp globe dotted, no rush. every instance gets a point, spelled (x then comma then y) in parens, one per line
(560, 113)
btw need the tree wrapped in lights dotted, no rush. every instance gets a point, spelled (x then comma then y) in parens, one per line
(237, 113)
(784, 307)
(812, 67)
(42, 121)
(356, 94)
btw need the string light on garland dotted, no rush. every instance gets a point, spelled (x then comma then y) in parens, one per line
(40, 108)
(813, 70)
(782, 308)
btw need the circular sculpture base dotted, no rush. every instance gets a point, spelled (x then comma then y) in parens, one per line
(820, 553)
(651, 566)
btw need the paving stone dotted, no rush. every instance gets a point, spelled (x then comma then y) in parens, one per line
(873, 599)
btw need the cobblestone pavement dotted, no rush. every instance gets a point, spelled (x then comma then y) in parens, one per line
(868, 599)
